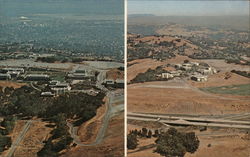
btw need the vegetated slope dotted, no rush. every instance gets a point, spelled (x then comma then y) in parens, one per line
(26, 102)
(112, 145)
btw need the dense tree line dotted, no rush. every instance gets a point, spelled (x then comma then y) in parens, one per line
(242, 73)
(46, 59)
(171, 143)
(6, 127)
(175, 144)
(5, 143)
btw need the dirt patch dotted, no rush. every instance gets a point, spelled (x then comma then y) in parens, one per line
(115, 74)
(218, 79)
(33, 141)
(17, 129)
(224, 145)
(223, 66)
(166, 97)
(11, 84)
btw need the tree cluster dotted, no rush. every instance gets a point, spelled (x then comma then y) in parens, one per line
(175, 144)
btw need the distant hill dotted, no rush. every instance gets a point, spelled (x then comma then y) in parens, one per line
(233, 22)
(140, 15)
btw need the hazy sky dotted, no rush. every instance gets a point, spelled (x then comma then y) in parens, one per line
(193, 8)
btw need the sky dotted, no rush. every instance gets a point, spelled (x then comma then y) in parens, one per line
(188, 8)
(79, 7)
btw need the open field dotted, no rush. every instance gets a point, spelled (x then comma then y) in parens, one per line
(218, 79)
(91, 65)
(178, 97)
(243, 89)
(223, 66)
(33, 141)
(115, 74)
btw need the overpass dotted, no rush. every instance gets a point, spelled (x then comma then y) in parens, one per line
(189, 120)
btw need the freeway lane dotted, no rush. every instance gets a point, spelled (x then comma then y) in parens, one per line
(187, 118)
(181, 120)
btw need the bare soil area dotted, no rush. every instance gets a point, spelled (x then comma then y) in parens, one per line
(174, 98)
(115, 74)
(33, 140)
(218, 79)
(17, 129)
(11, 84)
(225, 67)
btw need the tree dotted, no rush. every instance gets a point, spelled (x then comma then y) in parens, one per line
(5, 142)
(149, 134)
(132, 141)
(191, 142)
(144, 132)
(156, 134)
(8, 123)
(175, 144)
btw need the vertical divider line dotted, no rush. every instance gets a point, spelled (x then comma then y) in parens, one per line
(125, 77)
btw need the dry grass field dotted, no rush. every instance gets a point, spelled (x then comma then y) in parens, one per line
(176, 98)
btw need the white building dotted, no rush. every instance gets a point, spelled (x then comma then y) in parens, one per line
(166, 75)
(21, 70)
(109, 81)
(5, 76)
(61, 88)
(199, 78)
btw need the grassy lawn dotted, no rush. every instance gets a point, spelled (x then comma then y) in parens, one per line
(243, 89)
(58, 76)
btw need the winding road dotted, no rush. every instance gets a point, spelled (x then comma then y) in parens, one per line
(113, 97)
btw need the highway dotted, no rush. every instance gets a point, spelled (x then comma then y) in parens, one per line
(189, 121)
(18, 140)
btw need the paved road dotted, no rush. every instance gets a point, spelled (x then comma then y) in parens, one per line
(113, 97)
(20, 137)
(32, 85)
(110, 112)
(188, 118)
(184, 120)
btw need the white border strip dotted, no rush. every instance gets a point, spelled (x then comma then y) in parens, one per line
(125, 78)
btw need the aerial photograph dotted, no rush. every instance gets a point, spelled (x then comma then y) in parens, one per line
(188, 78)
(61, 78)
